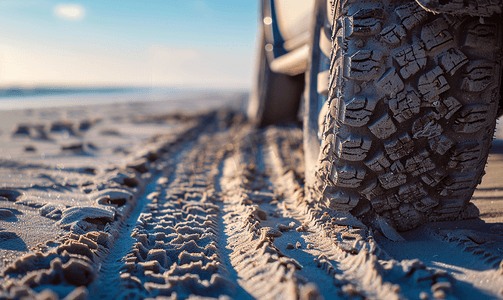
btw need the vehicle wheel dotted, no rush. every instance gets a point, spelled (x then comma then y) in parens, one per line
(316, 90)
(413, 101)
(275, 97)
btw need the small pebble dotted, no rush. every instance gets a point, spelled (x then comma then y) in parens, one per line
(423, 296)
(262, 215)
(284, 228)
(162, 180)
(309, 246)
(153, 195)
(298, 245)
(271, 232)
(289, 246)
(440, 294)
(301, 228)
(29, 148)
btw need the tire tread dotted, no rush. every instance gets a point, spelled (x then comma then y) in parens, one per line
(412, 111)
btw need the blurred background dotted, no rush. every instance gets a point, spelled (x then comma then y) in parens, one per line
(169, 44)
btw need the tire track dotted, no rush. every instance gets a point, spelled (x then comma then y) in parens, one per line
(173, 248)
(225, 214)
(65, 267)
(110, 269)
(259, 251)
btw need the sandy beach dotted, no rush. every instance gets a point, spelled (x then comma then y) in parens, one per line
(184, 199)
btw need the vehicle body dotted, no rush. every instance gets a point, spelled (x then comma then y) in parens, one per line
(398, 100)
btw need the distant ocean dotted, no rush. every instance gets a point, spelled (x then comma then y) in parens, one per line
(14, 98)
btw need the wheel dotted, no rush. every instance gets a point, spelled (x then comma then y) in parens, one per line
(316, 87)
(275, 97)
(413, 99)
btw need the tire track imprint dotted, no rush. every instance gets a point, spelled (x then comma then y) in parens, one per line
(66, 266)
(264, 271)
(225, 215)
(175, 249)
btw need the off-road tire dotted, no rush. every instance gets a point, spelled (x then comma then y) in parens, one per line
(315, 87)
(275, 97)
(413, 104)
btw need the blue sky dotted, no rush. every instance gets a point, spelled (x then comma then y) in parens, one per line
(189, 43)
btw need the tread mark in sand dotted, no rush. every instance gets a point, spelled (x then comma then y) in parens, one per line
(209, 227)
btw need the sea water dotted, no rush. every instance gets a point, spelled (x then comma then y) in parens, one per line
(17, 98)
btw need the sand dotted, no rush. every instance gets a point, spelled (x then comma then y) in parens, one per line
(179, 200)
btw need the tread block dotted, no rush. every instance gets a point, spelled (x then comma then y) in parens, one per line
(425, 204)
(327, 145)
(411, 59)
(471, 118)
(419, 163)
(380, 204)
(452, 60)
(405, 105)
(411, 192)
(448, 107)
(399, 147)
(436, 34)
(393, 201)
(390, 83)
(410, 217)
(450, 206)
(454, 21)
(458, 184)
(348, 176)
(353, 148)
(383, 128)
(433, 178)
(482, 36)
(482, 8)
(342, 200)
(393, 34)
(364, 64)
(397, 167)
(357, 111)
(411, 14)
(392, 179)
(365, 22)
(373, 191)
(466, 156)
(479, 75)
(432, 84)
(440, 144)
(378, 163)
(427, 127)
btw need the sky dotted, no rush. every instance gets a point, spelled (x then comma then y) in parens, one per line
(168, 43)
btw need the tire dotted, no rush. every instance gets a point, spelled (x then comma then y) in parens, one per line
(318, 65)
(413, 101)
(275, 97)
